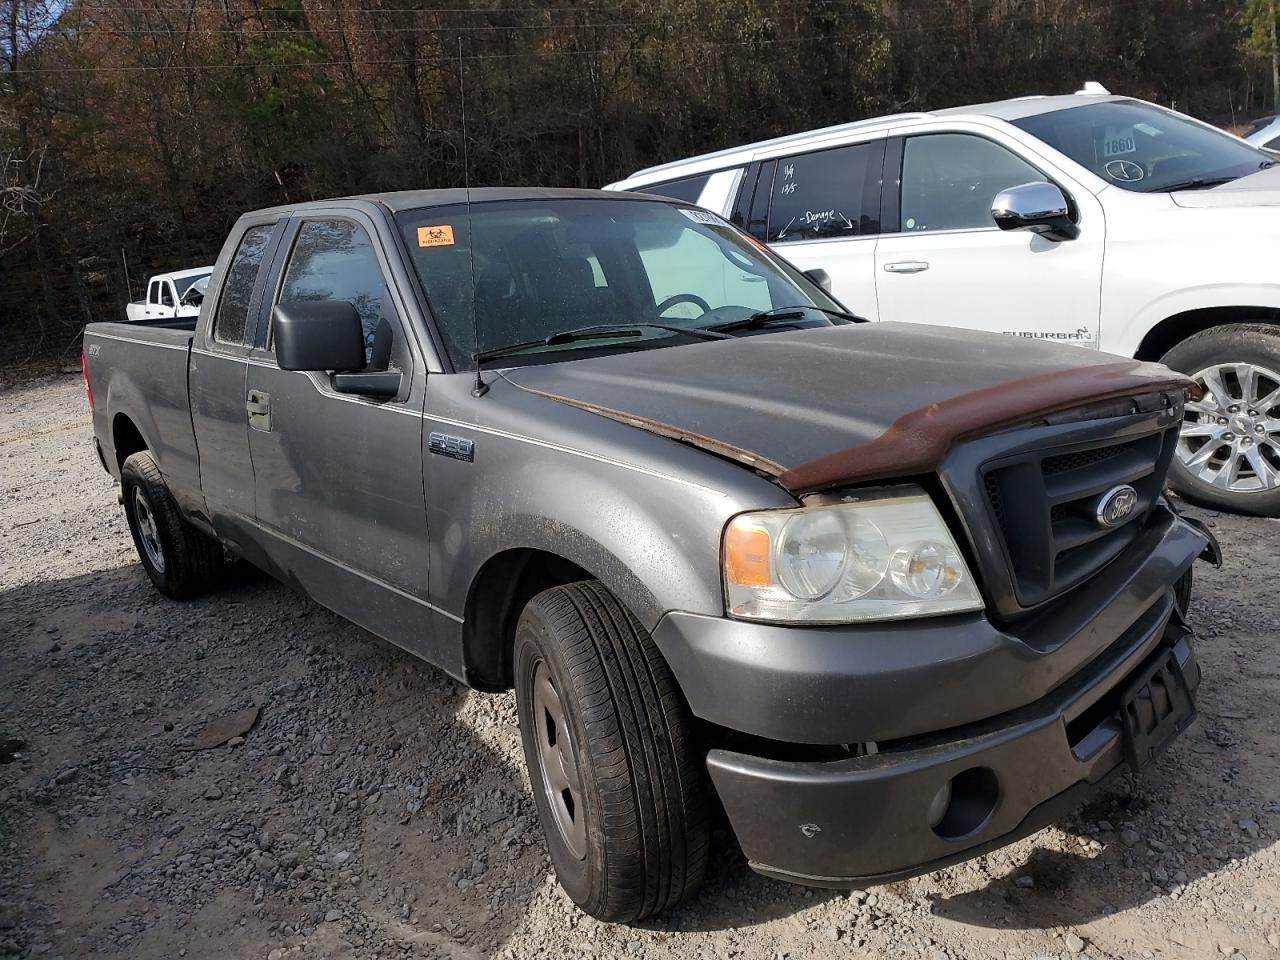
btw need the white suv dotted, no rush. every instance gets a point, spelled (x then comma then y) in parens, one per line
(1090, 219)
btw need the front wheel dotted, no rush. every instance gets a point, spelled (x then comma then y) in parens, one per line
(1228, 454)
(609, 746)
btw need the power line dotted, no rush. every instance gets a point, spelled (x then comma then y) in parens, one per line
(435, 61)
(254, 31)
(473, 11)
(871, 32)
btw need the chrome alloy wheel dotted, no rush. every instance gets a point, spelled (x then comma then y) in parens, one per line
(557, 764)
(1231, 436)
(147, 533)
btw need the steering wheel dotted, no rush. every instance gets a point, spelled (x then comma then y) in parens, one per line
(672, 300)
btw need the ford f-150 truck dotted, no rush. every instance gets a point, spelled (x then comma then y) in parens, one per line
(894, 594)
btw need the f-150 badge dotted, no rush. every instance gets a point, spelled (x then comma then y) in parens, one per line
(459, 448)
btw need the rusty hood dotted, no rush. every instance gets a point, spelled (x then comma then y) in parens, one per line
(822, 406)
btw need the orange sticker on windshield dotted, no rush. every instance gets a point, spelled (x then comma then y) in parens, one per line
(441, 236)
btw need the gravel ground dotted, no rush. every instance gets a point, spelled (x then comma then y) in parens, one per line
(378, 809)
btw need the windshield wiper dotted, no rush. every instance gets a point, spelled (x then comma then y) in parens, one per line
(596, 332)
(779, 315)
(1193, 183)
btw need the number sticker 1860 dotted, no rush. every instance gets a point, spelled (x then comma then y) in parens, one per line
(1116, 146)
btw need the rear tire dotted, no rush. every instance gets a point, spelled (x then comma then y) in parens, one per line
(1228, 456)
(608, 741)
(180, 560)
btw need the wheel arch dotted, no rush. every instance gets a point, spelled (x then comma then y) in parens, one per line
(1174, 329)
(499, 591)
(126, 439)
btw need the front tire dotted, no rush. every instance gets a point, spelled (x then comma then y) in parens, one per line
(1228, 455)
(180, 560)
(609, 746)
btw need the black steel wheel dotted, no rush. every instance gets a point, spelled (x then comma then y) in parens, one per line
(608, 741)
(180, 560)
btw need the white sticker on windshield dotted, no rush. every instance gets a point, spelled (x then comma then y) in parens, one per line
(1148, 129)
(701, 216)
(1118, 141)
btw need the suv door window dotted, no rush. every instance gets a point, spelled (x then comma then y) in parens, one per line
(237, 290)
(153, 292)
(824, 194)
(166, 294)
(950, 179)
(334, 260)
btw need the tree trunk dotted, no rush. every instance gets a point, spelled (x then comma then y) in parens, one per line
(1275, 58)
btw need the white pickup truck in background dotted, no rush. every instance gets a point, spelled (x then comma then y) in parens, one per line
(1090, 219)
(171, 295)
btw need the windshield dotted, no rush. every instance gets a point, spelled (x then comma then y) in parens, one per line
(1144, 148)
(184, 283)
(544, 267)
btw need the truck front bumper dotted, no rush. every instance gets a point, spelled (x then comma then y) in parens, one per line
(867, 820)
(1017, 729)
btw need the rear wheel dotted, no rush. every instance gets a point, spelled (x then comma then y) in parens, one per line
(608, 742)
(1228, 455)
(180, 560)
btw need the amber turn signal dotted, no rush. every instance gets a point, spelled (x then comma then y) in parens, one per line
(746, 554)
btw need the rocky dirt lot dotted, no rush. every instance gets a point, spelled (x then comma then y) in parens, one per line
(378, 809)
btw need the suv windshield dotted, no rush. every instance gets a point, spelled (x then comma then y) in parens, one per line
(546, 267)
(1144, 148)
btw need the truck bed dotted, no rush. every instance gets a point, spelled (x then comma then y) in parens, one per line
(167, 323)
(141, 366)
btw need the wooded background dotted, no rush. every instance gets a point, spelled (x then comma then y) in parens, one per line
(136, 131)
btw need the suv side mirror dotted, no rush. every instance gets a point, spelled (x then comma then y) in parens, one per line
(1039, 207)
(820, 278)
(318, 335)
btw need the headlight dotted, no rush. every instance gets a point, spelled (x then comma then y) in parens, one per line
(882, 558)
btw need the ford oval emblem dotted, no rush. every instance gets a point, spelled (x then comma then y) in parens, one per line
(1116, 506)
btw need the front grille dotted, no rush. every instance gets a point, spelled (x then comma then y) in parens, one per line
(1044, 504)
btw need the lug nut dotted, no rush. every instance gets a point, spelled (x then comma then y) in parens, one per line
(1259, 429)
(1247, 441)
(1228, 437)
(1233, 409)
(1222, 421)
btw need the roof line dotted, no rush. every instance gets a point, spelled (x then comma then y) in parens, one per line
(789, 138)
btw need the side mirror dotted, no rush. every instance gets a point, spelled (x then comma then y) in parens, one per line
(1039, 207)
(318, 335)
(820, 278)
(192, 298)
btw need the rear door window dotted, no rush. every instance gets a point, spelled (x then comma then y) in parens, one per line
(831, 193)
(166, 294)
(949, 181)
(153, 292)
(230, 324)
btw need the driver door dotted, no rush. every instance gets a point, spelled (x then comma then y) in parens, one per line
(338, 476)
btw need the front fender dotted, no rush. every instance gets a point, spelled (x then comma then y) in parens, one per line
(641, 513)
(1265, 297)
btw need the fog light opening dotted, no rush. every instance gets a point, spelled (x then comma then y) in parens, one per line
(964, 804)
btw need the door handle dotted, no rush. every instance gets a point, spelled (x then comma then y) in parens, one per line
(906, 266)
(258, 407)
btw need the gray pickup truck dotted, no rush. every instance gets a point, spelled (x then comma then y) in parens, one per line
(892, 595)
